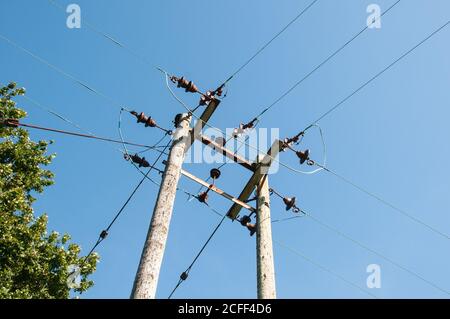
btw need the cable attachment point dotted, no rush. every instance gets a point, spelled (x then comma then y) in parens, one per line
(304, 157)
(210, 95)
(206, 98)
(214, 174)
(243, 127)
(288, 201)
(141, 161)
(142, 118)
(287, 143)
(184, 275)
(104, 234)
(203, 197)
(246, 221)
(9, 123)
(189, 86)
(219, 90)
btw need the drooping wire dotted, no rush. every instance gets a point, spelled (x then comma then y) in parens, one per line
(230, 137)
(385, 202)
(300, 14)
(326, 269)
(377, 75)
(324, 62)
(188, 109)
(185, 274)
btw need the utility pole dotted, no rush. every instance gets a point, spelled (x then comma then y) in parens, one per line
(264, 251)
(147, 275)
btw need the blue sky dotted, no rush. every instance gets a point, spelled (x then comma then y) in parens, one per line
(390, 138)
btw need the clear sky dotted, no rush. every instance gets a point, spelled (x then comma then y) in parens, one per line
(391, 138)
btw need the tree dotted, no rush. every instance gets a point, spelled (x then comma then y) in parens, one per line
(33, 263)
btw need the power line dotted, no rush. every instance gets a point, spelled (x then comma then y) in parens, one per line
(323, 63)
(110, 38)
(340, 233)
(312, 125)
(385, 202)
(300, 254)
(346, 99)
(358, 89)
(274, 221)
(116, 42)
(377, 75)
(85, 135)
(60, 71)
(56, 114)
(365, 247)
(70, 122)
(185, 274)
(271, 40)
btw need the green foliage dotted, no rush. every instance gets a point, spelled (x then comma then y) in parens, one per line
(33, 263)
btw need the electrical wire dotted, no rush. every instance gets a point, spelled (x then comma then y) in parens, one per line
(84, 135)
(185, 274)
(302, 12)
(321, 167)
(60, 71)
(342, 234)
(155, 146)
(110, 38)
(300, 254)
(324, 62)
(377, 75)
(229, 137)
(141, 58)
(54, 113)
(344, 101)
(363, 246)
(295, 252)
(385, 202)
(348, 97)
(104, 233)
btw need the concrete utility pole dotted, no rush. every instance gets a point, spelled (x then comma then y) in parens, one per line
(147, 275)
(259, 179)
(264, 251)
